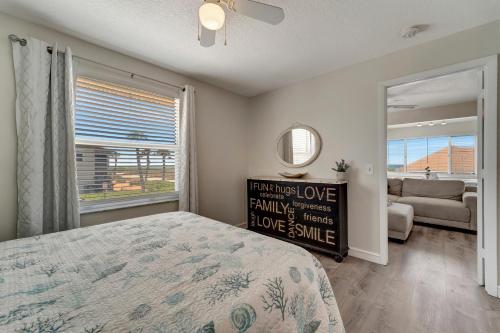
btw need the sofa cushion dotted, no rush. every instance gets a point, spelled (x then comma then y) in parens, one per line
(470, 201)
(392, 198)
(395, 186)
(470, 188)
(441, 189)
(400, 217)
(443, 209)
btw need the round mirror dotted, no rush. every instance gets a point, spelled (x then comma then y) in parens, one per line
(298, 146)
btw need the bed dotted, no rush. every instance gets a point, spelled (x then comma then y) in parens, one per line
(174, 272)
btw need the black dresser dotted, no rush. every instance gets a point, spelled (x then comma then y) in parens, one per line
(311, 213)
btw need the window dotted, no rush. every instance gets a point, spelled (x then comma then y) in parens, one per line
(444, 154)
(416, 155)
(438, 153)
(126, 144)
(396, 155)
(303, 145)
(463, 157)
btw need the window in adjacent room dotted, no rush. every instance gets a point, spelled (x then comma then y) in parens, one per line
(396, 156)
(126, 144)
(416, 152)
(463, 156)
(443, 154)
(438, 151)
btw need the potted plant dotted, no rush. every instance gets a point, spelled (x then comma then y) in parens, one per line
(341, 168)
(427, 172)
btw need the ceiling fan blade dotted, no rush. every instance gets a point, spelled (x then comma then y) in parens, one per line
(399, 106)
(207, 37)
(260, 11)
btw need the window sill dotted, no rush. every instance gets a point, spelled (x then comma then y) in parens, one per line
(444, 175)
(88, 208)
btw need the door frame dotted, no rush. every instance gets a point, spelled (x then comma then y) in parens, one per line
(489, 253)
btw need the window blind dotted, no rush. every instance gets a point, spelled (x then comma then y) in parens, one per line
(303, 145)
(126, 142)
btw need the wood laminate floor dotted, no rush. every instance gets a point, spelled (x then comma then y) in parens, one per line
(428, 286)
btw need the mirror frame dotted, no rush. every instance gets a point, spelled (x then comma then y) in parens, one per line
(313, 157)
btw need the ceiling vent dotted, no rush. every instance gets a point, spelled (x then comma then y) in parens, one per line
(410, 32)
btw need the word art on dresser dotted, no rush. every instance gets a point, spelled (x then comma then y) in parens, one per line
(310, 213)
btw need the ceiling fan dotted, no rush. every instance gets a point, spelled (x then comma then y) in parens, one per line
(401, 106)
(212, 16)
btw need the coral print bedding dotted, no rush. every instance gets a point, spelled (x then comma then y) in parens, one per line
(175, 272)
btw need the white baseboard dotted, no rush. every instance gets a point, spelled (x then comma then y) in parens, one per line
(354, 252)
(365, 255)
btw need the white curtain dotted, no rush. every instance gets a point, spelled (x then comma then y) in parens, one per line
(188, 176)
(46, 171)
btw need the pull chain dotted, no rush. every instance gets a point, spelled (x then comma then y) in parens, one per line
(199, 38)
(225, 33)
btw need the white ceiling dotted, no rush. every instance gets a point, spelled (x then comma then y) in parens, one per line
(437, 123)
(317, 36)
(443, 90)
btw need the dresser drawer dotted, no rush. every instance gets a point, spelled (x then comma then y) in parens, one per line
(309, 214)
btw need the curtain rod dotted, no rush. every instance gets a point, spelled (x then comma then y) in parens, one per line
(24, 42)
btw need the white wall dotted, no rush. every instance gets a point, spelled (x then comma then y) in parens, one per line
(221, 133)
(459, 110)
(342, 107)
(466, 127)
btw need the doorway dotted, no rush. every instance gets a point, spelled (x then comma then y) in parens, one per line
(412, 159)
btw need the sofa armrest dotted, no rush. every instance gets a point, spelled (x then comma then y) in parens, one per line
(470, 201)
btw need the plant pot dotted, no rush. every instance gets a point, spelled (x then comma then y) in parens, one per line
(341, 176)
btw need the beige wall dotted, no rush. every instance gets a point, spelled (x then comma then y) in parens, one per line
(451, 111)
(127, 213)
(342, 106)
(221, 121)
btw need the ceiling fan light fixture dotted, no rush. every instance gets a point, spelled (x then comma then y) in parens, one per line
(212, 16)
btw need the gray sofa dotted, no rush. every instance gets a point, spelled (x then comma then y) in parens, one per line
(438, 202)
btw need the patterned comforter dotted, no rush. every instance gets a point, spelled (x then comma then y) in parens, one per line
(175, 272)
